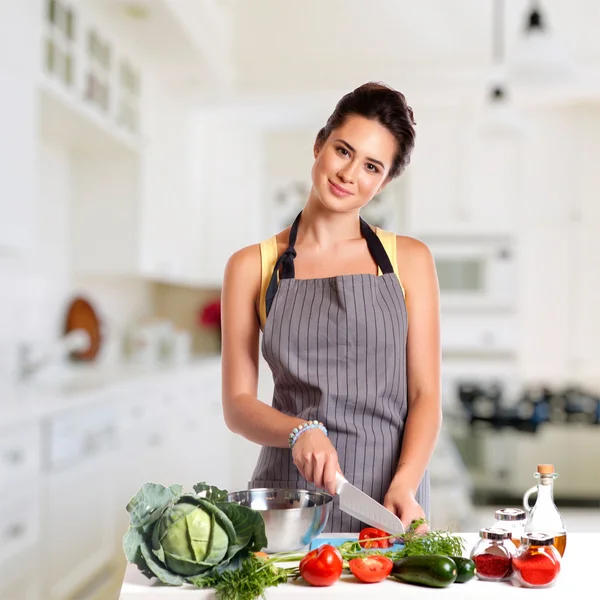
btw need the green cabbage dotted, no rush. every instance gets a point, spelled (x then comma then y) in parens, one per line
(182, 538)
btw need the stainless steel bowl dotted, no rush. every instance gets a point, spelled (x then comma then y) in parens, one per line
(293, 518)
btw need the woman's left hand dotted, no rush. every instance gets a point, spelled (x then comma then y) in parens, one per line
(402, 503)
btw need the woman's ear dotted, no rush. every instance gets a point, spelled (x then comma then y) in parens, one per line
(383, 185)
(316, 149)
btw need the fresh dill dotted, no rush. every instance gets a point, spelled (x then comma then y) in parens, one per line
(248, 582)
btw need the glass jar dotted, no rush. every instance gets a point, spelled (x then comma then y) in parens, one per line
(537, 562)
(493, 554)
(513, 520)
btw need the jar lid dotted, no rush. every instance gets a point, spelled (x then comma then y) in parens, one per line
(494, 533)
(511, 514)
(538, 539)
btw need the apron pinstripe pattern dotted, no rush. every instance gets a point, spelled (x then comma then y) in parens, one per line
(337, 350)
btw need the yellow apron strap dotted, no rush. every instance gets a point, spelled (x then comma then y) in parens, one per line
(268, 258)
(388, 239)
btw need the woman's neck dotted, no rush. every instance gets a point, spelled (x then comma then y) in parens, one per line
(326, 229)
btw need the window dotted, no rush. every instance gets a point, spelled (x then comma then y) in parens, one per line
(97, 87)
(129, 97)
(59, 44)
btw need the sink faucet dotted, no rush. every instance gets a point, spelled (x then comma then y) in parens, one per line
(28, 366)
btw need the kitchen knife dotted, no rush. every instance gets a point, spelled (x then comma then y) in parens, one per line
(359, 505)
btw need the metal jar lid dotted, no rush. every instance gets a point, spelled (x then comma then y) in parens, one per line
(495, 533)
(511, 514)
(538, 539)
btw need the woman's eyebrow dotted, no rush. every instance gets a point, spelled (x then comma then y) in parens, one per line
(373, 160)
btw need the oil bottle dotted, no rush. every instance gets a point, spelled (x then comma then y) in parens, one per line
(544, 517)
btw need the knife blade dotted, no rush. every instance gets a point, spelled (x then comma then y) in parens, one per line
(359, 505)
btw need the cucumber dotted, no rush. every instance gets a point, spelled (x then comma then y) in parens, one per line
(465, 569)
(431, 570)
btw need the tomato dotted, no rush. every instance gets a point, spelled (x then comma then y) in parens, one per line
(322, 566)
(371, 569)
(370, 532)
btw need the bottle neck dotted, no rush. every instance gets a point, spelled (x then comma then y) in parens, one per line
(545, 489)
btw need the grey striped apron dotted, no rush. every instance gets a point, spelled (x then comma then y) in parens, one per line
(337, 349)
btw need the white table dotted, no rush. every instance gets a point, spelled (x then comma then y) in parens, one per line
(578, 565)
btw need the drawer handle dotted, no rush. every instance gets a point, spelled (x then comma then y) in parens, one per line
(15, 531)
(15, 457)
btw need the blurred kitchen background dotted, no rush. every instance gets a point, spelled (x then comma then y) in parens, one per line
(144, 141)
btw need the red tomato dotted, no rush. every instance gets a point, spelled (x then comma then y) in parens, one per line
(322, 566)
(370, 532)
(371, 569)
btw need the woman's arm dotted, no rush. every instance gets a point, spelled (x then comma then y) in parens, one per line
(423, 356)
(244, 413)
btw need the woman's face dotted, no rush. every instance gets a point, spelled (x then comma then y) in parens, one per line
(352, 165)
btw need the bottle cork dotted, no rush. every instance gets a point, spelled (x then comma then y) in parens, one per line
(545, 469)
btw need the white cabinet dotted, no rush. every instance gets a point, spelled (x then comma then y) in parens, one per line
(545, 298)
(19, 58)
(584, 315)
(228, 151)
(433, 174)
(460, 179)
(77, 537)
(171, 210)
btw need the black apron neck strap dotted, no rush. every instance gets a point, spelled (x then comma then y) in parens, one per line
(284, 267)
(380, 256)
(285, 263)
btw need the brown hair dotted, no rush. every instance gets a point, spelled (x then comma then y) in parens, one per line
(385, 105)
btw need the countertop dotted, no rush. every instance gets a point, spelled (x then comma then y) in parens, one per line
(27, 401)
(577, 567)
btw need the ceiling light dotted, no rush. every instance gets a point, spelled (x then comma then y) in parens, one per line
(538, 57)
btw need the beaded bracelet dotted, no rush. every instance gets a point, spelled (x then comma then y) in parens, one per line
(298, 431)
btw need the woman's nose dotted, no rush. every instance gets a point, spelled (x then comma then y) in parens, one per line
(347, 174)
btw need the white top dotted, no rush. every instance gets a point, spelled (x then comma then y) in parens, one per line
(578, 567)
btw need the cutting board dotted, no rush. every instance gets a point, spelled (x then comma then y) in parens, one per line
(321, 541)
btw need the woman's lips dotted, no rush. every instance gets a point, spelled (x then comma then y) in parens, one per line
(338, 191)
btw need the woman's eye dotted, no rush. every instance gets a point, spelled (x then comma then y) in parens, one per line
(371, 167)
(342, 151)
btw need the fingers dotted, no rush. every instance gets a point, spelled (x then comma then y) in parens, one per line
(319, 461)
(316, 461)
(331, 466)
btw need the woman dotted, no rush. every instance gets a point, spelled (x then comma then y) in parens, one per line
(350, 317)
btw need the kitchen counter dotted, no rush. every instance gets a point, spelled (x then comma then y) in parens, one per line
(578, 564)
(80, 384)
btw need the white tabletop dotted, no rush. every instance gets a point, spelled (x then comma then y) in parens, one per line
(578, 565)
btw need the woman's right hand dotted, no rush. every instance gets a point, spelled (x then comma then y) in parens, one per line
(316, 459)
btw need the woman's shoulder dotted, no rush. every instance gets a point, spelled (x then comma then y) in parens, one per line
(250, 259)
(414, 259)
(411, 247)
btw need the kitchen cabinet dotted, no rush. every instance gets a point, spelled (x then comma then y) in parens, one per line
(549, 170)
(460, 179)
(546, 301)
(19, 56)
(558, 296)
(68, 475)
(229, 152)
(584, 191)
(78, 490)
(19, 532)
(171, 209)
